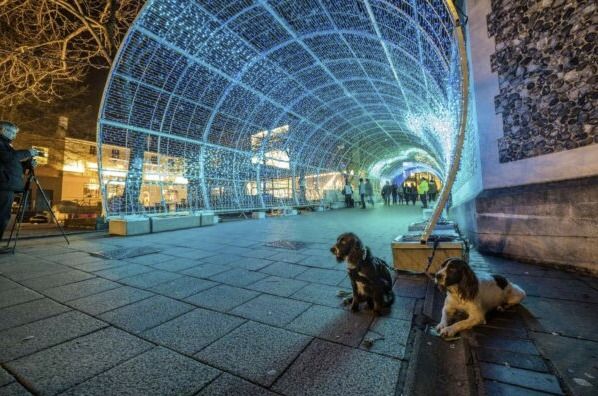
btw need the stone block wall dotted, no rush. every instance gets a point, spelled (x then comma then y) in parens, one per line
(547, 62)
(548, 223)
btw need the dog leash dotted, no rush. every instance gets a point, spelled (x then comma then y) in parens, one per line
(434, 247)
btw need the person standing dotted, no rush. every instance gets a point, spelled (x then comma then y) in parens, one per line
(394, 191)
(348, 191)
(369, 191)
(422, 190)
(362, 193)
(413, 193)
(386, 191)
(12, 168)
(432, 191)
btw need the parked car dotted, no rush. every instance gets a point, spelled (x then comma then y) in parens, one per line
(39, 219)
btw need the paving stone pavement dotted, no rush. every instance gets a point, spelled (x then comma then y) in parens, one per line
(546, 345)
(214, 311)
(207, 311)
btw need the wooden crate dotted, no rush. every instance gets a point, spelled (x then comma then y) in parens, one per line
(413, 256)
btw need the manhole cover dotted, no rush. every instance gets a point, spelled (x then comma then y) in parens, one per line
(123, 253)
(291, 245)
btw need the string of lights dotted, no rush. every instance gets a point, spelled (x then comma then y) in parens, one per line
(228, 106)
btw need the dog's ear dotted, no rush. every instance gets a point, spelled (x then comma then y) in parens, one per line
(356, 251)
(468, 285)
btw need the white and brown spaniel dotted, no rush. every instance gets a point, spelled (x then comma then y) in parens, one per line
(472, 295)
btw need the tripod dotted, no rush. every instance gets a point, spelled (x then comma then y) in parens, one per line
(25, 194)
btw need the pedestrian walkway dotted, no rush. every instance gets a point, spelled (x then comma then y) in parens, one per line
(252, 307)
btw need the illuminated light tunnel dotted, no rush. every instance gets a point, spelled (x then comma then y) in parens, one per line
(241, 105)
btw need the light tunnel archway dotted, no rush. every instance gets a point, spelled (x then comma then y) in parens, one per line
(241, 104)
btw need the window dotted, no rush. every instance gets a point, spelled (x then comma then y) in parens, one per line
(115, 153)
(93, 150)
(154, 159)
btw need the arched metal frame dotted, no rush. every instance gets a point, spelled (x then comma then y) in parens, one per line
(245, 104)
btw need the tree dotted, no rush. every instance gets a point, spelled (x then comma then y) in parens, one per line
(47, 46)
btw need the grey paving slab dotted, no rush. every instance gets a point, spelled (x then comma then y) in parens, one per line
(560, 289)
(284, 270)
(5, 377)
(14, 389)
(251, 263)
(410, 286)
(513, 359)
(18, 295)
(205, 270)
(332, 324)
(325, 368)
(194, 330)
(32, 337)
(259, 253)
(149, 279)
(288, 256)
(327, 262)
(6, 284)
(231, 385)
(34, 268)
(325, 276)
(546, 315)
(574, 360)
(60, 367)
(528, 379)
(109, 300)
(155, 372)
(238, 277)
(388, 336)
(507, 344)
(254, 351)
(50, 281)
(146, 314)
(176, 265)
(222, 259)
(186, 252)
(100, 265)
(123, 271)
(183, 287)
(279, 286)
(495, 388)
(273, 310)
(222, 298)
(31, 311)
(321, 294)
(73, 258)
(84, 288)
(402, 308)
(151, 259)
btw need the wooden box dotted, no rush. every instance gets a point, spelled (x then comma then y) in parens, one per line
(411, 255)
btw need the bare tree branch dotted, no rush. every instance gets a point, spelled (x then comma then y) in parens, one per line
(48, 45)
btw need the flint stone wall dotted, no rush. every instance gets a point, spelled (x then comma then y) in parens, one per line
(547, 61)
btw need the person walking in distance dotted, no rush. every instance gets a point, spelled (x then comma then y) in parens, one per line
(369, 191)
(422, 190)
(386, 191)
(348, 191)
(394, 191)
(362, 193)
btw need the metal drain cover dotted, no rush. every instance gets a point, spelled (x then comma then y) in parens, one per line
(123, 253)
(290, 245)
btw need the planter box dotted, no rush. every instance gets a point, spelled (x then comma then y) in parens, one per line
(169, 223)
(208, 218)
(338, 205)
(410, 255)
(129, 226)
(258, 215)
